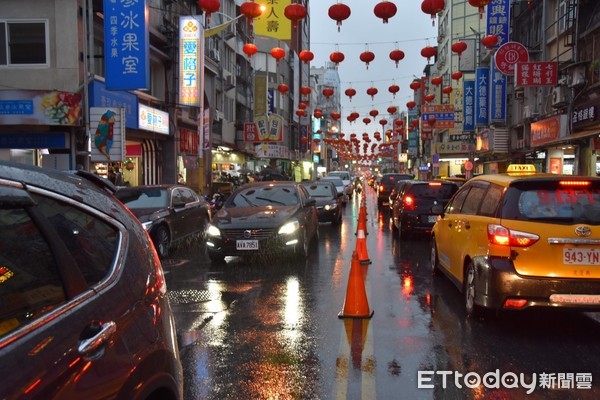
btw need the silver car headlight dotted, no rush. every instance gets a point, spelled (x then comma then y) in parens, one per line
(289, 228)
(213, 231)
(331, 206)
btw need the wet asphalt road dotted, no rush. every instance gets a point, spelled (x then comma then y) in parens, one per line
(271, 330)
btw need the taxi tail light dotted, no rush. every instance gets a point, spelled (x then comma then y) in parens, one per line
(381, 188)
(575, 183)
(499, 235)
(408, 202)
(515, 303)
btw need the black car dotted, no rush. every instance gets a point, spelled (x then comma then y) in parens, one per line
(415, 208)
(387, 183)
(169, 213)
(328, 200)
(84, 310)
(269, 218)
(395, 192)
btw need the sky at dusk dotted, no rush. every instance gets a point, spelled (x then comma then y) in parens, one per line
(409, 30)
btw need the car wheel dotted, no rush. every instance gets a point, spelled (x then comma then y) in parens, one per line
(433, 257)
(162, 241)
(216, 258)
(472, 309)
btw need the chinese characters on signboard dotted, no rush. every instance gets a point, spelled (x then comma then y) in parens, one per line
(191, 61)
(153, 120)
(536, 74)
(126, 45)
(482, 81)
(498, 16)
(584, 115)
(497, 94)
(469, 106)
(443, 114)
(272, 21)
(264, 129)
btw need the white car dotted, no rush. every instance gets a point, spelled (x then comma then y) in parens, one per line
(346, 178)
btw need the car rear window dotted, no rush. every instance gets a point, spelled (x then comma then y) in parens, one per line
(391, 179)
(320, 190)
(553, 202)
(433, 191)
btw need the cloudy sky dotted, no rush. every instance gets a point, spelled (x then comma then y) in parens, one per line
(409, 30)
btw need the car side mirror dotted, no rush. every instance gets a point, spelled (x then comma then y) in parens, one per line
(438, 209)
(310, 202)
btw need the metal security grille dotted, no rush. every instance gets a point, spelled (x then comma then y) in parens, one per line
(255, 233)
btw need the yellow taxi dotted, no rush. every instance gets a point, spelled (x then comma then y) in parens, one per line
(522, 239)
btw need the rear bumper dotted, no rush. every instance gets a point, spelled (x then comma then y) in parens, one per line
(497, 281)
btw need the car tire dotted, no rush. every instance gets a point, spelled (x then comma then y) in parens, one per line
(216, 258)
(433, 257)
(302, 248)
(473, 310)
(162, 241)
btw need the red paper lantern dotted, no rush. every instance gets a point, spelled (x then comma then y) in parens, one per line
(428, 52)
(432, 7)
(429, 98)
(302, 105)
(305, 90)
(318, 113)
(459, 47)
(367, 57)
(415, 85)
(373, 113)
(366, 121)
(300, 112)
(457, 75)
(447, 90)
(327, 92)
(337, 57)
(339, 12)
(393, 89)
(385, 10)
(354, 114)
(350, 92)
(306, 56)
(209, 6)
(383, 122)
(490, 41)
(396, 56)
(295, 12)
(335, 115)
(372, 91)
(399, 122)
(437, 80)
(392, 110)
(283, 88)
(251, 10)
(277, 53)
(480, 4)
(249, 49)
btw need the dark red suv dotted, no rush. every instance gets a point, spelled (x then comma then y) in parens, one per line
(84, 312)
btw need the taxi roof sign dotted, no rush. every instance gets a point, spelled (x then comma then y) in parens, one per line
(522, 169)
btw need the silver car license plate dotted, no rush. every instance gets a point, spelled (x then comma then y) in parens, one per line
(246, 244)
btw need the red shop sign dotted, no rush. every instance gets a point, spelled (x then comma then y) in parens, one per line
(508, 55)
(536, 74)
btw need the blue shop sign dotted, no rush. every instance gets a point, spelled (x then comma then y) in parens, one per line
(498, 17)
(101, 97)
(497, 94)
(53, 140)
(468, 105)
(482, 96)
(126, 45)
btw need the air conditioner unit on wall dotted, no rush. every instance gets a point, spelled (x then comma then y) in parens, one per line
(215, 55)
(527, 112)
(559, 96)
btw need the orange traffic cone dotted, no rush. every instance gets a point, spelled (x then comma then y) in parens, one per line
(361, 240)
(356, 304)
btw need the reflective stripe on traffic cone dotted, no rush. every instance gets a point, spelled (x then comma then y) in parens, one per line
(356, 304)
(361, 241)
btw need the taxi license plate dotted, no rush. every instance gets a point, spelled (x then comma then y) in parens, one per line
(588, 299)
(581, 256)
(246, 244)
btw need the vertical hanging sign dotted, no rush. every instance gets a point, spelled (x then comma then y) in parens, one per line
(260, 95)
(191, 61)
(498, 17)
(469, 106)
(272, 22)
(126, 45)
(498, 94)
(482, 96)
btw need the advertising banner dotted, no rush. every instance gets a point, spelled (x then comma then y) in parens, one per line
(260, 95)
(126, 45)
(191, 61)
(498, 17)
(272, 22)
(548, 130)
(536, 74)
(443, 114)
(36, 107)
(264, 129)
(154, 120)
(469, 105)
(454, 147)
(497, 95)
(482, 96)
(107, 132)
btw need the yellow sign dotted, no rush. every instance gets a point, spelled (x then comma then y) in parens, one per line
(260, 95)
(521, 169)
(273, 22)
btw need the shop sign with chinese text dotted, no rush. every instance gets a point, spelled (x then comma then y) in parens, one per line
(454, 147)
(536, 74)
(548, 130)
(469, 106)
(191, 60)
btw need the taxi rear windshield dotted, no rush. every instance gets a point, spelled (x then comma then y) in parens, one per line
(570, 202)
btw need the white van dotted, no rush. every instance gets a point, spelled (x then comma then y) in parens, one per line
(346, 178)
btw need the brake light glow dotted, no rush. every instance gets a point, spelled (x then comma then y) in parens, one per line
(435, 184)
(515, 303)
(575, 183)
(381, 188)
(501, 236)
(409, 202)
